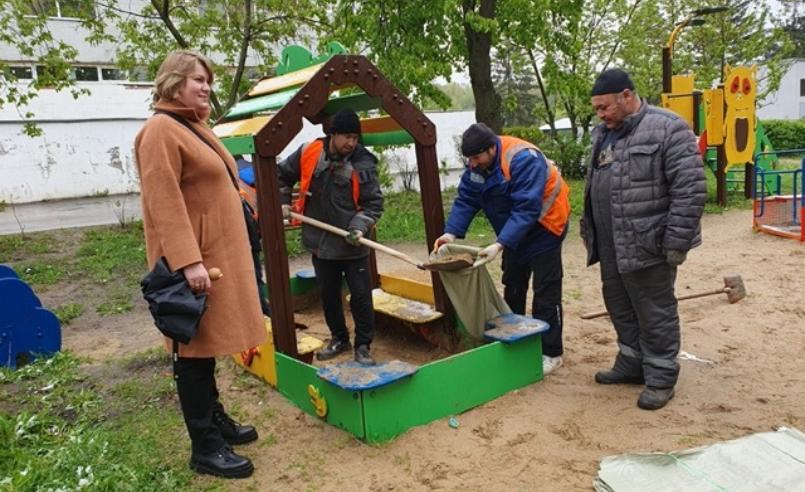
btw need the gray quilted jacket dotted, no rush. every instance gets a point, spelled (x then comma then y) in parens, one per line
(658, 190)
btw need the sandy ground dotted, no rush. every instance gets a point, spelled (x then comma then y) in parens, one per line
(550, 435)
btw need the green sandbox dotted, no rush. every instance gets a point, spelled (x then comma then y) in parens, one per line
(439, 389)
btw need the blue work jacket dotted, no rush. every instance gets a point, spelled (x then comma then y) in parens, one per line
(512, 207)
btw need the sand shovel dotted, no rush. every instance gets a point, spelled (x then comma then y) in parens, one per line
(733, 287)
(450, 263)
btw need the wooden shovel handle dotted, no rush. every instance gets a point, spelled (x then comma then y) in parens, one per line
(722, 290)
(215, 273)
(366, 242)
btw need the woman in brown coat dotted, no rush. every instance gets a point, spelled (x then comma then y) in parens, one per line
(192, 215)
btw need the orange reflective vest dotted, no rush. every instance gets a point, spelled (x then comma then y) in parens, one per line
(555, 210)
(311, 153)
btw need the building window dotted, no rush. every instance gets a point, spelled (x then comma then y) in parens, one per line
(21, 73)
(86, 74)
(139, 74)
(801, 87)
(63, 8)
(113, 74)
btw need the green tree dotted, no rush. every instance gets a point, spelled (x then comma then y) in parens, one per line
(237, 34)
(415, 43)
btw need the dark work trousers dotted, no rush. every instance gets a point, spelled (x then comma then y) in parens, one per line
(547, 301)
(643, 308)
(198, 397)
(329, 277)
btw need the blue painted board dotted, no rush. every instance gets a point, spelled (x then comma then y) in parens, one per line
(352, 376)
(510, 327)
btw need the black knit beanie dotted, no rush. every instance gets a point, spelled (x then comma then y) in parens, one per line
(345, 121)
(612, 81)
(476, 139)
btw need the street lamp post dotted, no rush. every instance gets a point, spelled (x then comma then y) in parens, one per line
(667, 51)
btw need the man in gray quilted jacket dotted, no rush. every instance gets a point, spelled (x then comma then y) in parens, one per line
(643, 203)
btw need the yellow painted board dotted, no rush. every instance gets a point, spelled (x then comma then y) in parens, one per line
(681, 104)
(714, 121)
(276, 84)
(240, 127)
(405, 309)
(410, 289)
(682, 84)
(260, 361)
(380, 124)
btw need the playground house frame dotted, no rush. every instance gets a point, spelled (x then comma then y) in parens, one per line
(373, 403)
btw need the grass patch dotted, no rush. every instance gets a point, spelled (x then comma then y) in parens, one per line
(116, 302)
(111, 252)
(16, 247)
(62, 429)
(68, 312)
(42, 273)
(735, 199)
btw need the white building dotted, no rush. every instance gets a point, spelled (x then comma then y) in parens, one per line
(86, 147)
(788, 103)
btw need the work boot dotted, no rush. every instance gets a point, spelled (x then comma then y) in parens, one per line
(333, 349)
(222, 463)
(362, 356)
(614, 377)
(654, 398)
(233, 432)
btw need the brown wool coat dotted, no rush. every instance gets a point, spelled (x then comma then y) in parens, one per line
(192, 213)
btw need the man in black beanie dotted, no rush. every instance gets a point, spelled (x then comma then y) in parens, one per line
(643, 201)
(526, 201)
(338, 185)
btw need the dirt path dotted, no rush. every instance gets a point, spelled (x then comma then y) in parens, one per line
(552, 435)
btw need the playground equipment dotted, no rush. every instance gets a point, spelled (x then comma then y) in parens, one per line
(723, 117)
(27, 330)
(733, 287)
(373, 403)
(780, 213)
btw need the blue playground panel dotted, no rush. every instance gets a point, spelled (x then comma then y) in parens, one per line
(27, 330)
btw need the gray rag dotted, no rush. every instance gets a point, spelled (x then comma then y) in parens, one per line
(471, 290)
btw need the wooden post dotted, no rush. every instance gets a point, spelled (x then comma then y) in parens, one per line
(276, 255)
(432, 207)
(721, 176)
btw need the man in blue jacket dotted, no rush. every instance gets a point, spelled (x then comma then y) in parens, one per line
(526, 201)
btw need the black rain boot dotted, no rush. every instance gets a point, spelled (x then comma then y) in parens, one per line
(233, 432)
(222, 463)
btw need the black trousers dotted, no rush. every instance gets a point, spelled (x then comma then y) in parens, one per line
(198, 397)
(329, 277)
(546, 304)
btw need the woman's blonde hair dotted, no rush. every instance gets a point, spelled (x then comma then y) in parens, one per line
(173, 71)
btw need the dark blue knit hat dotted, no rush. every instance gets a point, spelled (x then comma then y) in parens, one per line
(612, 81)
(476, 139)
(345, 121)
